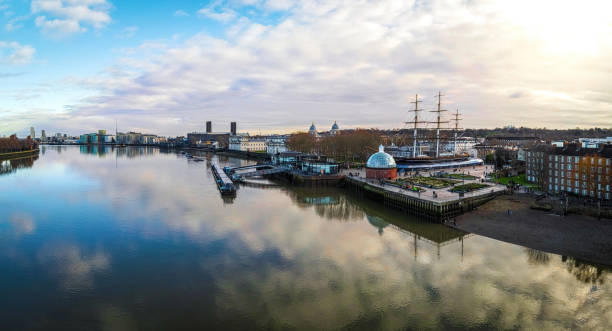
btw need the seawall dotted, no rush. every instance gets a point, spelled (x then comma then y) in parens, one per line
(436, 211)
(11, 155)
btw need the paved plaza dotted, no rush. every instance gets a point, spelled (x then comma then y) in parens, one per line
(442, 194)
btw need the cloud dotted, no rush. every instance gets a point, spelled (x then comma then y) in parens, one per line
(358, 62)
(16, 54)
(180, 13)
(128, 32)
(10, 74)
(518, 94)
(279, 4)
(65, 17)
(16, 23)
(216, 12)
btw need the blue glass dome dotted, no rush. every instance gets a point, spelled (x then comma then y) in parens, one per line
(312, 128)
(381, 160)
(335, 127)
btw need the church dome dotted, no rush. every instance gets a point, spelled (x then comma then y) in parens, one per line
(335, 127)
(312, 128)
(381, 160)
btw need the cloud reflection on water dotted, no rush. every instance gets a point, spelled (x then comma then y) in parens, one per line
(310, 259)
(74, 268)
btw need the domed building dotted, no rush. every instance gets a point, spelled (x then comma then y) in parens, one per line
(381, 165)
(313, 129)
(335, 128)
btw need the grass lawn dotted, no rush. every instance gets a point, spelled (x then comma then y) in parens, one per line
(520, 179)
(430, 182)
(405, 186)
(468, 187)
(459, 176)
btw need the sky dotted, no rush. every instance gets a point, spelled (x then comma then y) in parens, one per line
(166, 67)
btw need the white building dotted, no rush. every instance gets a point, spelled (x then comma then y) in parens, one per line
(238, 142)
(276, 144)
(148, 139)
(594, 142)
(464, 144)
(245, 143)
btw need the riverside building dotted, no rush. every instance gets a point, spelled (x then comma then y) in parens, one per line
(246, 143)
(572, 169)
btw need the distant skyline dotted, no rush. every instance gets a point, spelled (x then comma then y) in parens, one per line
(275, 66)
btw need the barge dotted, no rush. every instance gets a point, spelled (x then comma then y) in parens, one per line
(224, 183)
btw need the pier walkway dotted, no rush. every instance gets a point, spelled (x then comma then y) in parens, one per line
(443, 195)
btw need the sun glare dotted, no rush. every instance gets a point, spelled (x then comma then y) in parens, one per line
(579, 27)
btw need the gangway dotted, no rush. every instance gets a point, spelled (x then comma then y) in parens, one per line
(236, 173)
(275, 170)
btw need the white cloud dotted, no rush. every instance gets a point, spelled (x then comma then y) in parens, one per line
(15, 53)
(64, 17)
(15, 23)
(128, 32)
(3, 5)
(358, 62)
(279, 4)
(180, 13)
(217, 12)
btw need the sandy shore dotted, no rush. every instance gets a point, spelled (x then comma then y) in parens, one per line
(581, 237)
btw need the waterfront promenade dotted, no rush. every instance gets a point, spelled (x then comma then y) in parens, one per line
(442, 194)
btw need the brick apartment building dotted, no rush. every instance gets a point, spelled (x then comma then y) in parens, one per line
(579, 171)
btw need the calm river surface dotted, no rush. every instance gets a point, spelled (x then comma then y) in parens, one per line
(137, 238)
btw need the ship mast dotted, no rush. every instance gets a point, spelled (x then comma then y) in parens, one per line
(415, 121)
(438, 122)
(457, 128)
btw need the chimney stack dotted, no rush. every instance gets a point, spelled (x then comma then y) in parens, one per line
(208, 126)
(233, 128)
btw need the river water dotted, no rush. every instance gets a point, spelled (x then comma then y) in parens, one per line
(138, 238)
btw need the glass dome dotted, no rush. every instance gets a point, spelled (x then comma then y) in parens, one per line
(381, 160)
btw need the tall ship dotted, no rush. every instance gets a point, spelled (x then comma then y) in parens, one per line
(434, 149)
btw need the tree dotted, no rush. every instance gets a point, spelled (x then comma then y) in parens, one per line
(13, 144)
(349, 145)
(301, 142)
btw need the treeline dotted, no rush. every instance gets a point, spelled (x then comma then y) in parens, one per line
(13, 144)
(542, 133)
(353, 145)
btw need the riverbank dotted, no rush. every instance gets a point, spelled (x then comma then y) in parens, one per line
(582, 237)
(11, 155)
